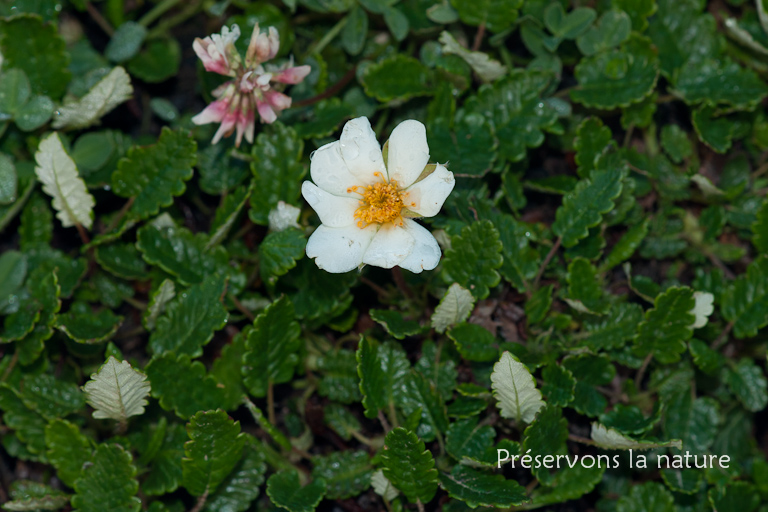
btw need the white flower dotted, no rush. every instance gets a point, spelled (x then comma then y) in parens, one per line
(702, 308)
(366, 204)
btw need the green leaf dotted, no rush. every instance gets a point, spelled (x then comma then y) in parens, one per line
(84, 326)
(28, 425)
(181, 253)
(13, 270)
(494, 14)
(686, 481)
(345, 473)
(474, 257)
(122, 260)
(35, 113)
(226, 214)
(340, 381)
(117, 391)
(226, 371)
(477, 488)
(612, 29)
(705, 358)
(277, 170)
(45, 291)
(747, 382)
(612, 439)
(647, 496)
(584, 207)
(218, 171)
(694, 422)
(191, 319)
(394, 323)
(589, 371)
(745, 300)
(592, 140)
(26, 35)
(271, 348)
(397, 78)
(667, 327)
(215, 448)
(418, 394)
(159, 60)
(182, 385)
(715, 132)
(486, 68)
(568, 484)
(409, 466)
(355, 31)
(165, 472)
(285, 491)
(466, 439)
(474, 342)
(617, 78)
(32, 496)
(547, 434)
(468, 145)
(108, 93)
(638, 10)
(521, 261)
(537, 307)
(241, 487)
(125, 42)
(50, 397)
(515, 389)
(455, 307)
(109, 483)
(760, 229)
(68, 450)
(627, 245)
(381, 368)
(585, 289)
(629, 419)
(279, 251)
(57, 172)
(341, 420)
(159, 299)
(559, 385)
(443, 374)
(710, 81)
(676, 143)
(154, 175)
(568, 26)
(14, 92)
(741, 496)
(520, 123)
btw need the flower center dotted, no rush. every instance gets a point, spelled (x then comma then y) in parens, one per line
(380, 203)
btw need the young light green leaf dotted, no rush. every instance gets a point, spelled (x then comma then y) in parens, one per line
(668, 326)
(409, 465)
(703, 308)
(111, 91)
(382, 369)
(486, 68)
(515, 389)
(68, 450)
(455, 307)
(215, 448)
(474, 258)
(57, 172)
(182, 385)
(271, 348)
(745, 300)
(109, 483)
(612, 439)
(477, 488)
(117, 391)
(382, 486)
(285, 491)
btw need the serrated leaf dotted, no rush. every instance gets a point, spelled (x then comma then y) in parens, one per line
(570, 25)
(626, 246)
(26, 35)
(241, 487)
(227, 214)
(51, 397)
(747, 381)
(686, 481)
(474, 257)
(486, 68)
(117, 391)
(109, 483)
(515, 389)
(154, 175)
(474, 342)
(614, 330)
(28, 426)
(381, 369)
(83, 325)
(45, 291)
(629, 419)
(68, 450)
(215, 448)
(442, 373)
(165, 473)
(617, 78)
(760, 229)
(466, 142)
(277, 170)
(397, 78)
(477, 488)
(559, 385)
(585, 289)
(547, 434)
(465, 438)
(454, 307)
(271, 348)
(537, 307)
(32, 496)
(191, 319)
(515, 108)
(226, 371)
(715, 132)
(409, 466)
(57, 172)
(382, 486)
(709, 81)
(285, 491)
(584, 207)
(568, 484)
(589, 371)
(521, 261)
(122, 260)
(612, 29)
(612, 439)
(14, 93)
(741, 496)
(346, 473)
(394, 323)
(647, 496)
(745, 300)
(111, 91)
(182, 385)
(418, 394)
(160, 298)
(592, 140)
(667, 327)
(694, 422)
(340, 381)
(279, 251)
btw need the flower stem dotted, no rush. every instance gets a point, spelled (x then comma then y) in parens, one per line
(549, 257)
(157, 11)
(327, 38)
(99, 19)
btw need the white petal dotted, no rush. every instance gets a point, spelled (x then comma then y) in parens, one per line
(425, 254)
(339, 250)
(361, 151)
(329, 172)
(408, 152)
(334, 211)
(391, 245)
(427, 196)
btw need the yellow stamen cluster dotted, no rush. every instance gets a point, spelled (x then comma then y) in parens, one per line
(381, 203)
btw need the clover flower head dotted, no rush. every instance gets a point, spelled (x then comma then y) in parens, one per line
(255, 86)
(366, 199)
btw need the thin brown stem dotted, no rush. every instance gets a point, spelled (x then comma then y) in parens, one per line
(200, 503)
(723, 337)
(331, 91)
(397, 275)
(641, 371)
(11, 364)
(419, 505)
(549, 257)
(479, 37)
(241, 308)
(123, 211)
(384, 423)
(271, 403)
(378, 289)
(579, 439)
(83, 234)
(99, 19)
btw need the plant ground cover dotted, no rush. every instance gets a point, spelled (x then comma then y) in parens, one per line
(592, 338)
